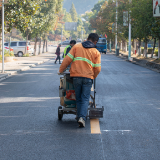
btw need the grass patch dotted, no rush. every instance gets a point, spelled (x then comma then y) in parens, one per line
(156, 53)
(157, 60)
(26, 55)
(8, 53)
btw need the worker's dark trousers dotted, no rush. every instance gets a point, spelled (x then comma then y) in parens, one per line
(82, 87)
(58, 57)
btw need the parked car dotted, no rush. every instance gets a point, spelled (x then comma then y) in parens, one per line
(65, 43)
(7, 48)
(78, 40)
(19, 47)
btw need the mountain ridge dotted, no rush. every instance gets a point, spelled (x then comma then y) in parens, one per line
(81, 5)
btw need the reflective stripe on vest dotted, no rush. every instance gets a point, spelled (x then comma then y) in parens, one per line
(83, 59)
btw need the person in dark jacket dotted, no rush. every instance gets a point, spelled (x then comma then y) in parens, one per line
(58, 54)
(72, 43)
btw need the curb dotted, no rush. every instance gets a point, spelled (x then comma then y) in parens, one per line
(6, 75)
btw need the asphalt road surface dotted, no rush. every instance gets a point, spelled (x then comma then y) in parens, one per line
(130, 129)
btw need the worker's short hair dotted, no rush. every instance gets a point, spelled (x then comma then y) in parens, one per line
(93, 37)
(72, 42)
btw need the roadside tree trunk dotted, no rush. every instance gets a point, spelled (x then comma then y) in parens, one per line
(159, 48)
(121, 45)
(26, 51)
(132, 47)
(145, 50)
(113, 45)
(46, 46)
(43, 45)
(0, 42)
(40, 47)
(139, 47)
(10, 40)
(35, 46)
(136, 47)
(153, 47)
(134, 50)
(125, 46)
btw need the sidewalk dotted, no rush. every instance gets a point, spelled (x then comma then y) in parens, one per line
(24, 63)
(150, 63)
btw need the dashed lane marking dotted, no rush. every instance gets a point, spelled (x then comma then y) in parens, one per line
(95, 127)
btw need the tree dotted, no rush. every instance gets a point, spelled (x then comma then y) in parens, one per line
(19, 14)
(33, 18)
(44, 20)
(97, 7)
(142, 15)
(73, 13)
(67, 16)
(155, 32)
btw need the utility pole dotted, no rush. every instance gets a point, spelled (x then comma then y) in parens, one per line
(61, 33)
(129, 51)
(82, 33)
(110, 45)
(2, 36)
(116, 25)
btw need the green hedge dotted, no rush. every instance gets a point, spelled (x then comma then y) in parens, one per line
(156, 53)
(149, 51)
(26, 55)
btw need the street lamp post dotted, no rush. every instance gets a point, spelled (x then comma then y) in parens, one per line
(129, 51)
(116, 25)
(2, 36)
(82, 33)
(61, 33)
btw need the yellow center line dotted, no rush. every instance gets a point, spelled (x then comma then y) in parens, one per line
(95, 127)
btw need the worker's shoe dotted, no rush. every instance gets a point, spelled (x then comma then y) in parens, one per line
(81, 122)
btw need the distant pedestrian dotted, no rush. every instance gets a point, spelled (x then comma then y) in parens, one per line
(58, 54)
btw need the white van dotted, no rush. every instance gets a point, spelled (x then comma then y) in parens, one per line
(19, 47)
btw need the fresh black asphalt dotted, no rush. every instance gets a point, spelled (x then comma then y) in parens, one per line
(130, 129)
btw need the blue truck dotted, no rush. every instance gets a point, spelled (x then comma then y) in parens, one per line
(102, 45)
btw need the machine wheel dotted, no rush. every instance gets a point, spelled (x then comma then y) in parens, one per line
(20, 54)
(60, 113)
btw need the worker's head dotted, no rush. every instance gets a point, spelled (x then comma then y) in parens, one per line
(59, 45)
(72, 43)
(93, 37)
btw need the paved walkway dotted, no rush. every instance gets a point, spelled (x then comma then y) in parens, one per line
(23, 63)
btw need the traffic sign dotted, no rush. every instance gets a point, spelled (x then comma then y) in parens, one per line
(156, 8)
(125, 18)
(71, 26)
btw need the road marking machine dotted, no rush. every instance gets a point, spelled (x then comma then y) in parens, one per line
(68, 100)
